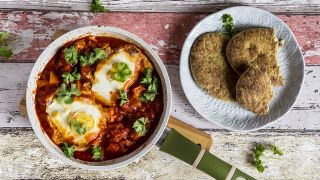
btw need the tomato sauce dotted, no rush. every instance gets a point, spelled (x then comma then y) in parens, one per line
(119, 138)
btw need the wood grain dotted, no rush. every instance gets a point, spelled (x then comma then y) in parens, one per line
(165, 32)
(304, 115)
(288, 6)
(23, 157)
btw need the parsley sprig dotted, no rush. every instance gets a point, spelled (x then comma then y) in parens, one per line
(152, 83)
(92, 57)
(78, 127)
(228, 26)
(261, 151)
(123, 97)
(64, 94)
(67, 149)
(96, 6)
(71, 77)
(71, 55)
(4, 51)
(120, 72)
(97, 153)
(140, 126)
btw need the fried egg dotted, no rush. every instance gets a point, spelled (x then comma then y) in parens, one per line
(77, 123)
(105, 87)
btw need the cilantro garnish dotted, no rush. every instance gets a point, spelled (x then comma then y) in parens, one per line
(67, 149)
(123, 97)
(4, 51)
(152, 83)
(78, 127)
(140, 126)
(147, 78)
(70, 77)
(92, 57)
(97, 153)
(65, 94)
(228, 25)
(120, 72)
(261, 151)
(96, 6)
(71, 55)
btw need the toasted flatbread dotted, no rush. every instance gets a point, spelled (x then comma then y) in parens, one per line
(255, 46)
(210, 68)
(254, 90)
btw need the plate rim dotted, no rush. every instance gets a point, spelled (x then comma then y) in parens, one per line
(183, 49)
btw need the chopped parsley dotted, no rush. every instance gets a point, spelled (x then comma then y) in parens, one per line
(151, 83)
(65, 94)
(262, 151)
(70, 77)
(67, 149)
(147, 78)
(96, 6)
(92, 57)
(97, 153)
(228, 26)
(4, 51)
(140, 126)
(123, 97)
(120, 72)
(71, 55)
(78, 127)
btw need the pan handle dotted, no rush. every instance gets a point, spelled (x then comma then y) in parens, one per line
(182, 148)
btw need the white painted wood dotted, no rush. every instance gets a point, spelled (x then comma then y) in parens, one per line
(276, 6)
(304, 115)
(23, 156)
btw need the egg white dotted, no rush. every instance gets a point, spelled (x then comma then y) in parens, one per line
(60, 117)
(104, 87)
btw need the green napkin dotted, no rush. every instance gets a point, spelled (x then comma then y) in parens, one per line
(184, 149)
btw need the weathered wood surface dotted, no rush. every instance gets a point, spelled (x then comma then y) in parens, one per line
(288, 6)
(23, 156)
(304, 115)
(165, 32)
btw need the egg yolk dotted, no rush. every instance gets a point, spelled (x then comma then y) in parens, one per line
(81, 122)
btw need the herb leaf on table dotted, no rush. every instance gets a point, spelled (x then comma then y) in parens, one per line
(96, 6)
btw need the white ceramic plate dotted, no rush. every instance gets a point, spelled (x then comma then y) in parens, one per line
(231, 115)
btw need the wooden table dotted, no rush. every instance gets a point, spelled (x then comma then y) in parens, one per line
(164, 25)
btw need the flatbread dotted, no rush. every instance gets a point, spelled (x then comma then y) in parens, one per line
(254, 90)
(210, 67)
(255, 46)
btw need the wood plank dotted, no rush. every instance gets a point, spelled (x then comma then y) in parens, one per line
(304, 115)
(165, 32)
(23, 157)
(288, 6)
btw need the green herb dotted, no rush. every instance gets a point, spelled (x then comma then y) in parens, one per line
(261, 151)
(78, 127)
(65, 95)
(97, 153)
(147, 78)
(71, 55)
(140, 126)
(276, 150)
(123, 97)
(151, 92)
(4, 51)
(96, 6)
(70, 77)
(228, 25)
(120, 72)
(92, 57)
(4, 36)
(67, 149)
